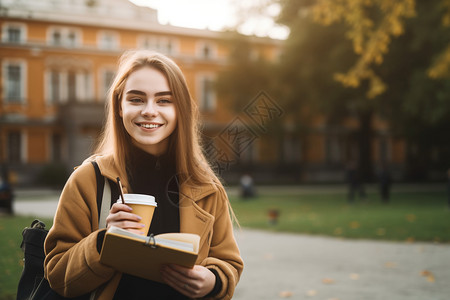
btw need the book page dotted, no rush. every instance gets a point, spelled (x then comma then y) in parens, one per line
(181, 241)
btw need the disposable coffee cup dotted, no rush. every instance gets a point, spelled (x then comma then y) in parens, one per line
(143, 206)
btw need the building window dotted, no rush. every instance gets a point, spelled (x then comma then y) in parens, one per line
(55, 83)
(108, 40)
(14, 147)
(68, 85)
(107, 80)
(56, 38)
(72, 39)
(14, 82)
(207, 96)
(292, 150)
(72, 86)
(333, 149)
(206, 50)
(164, 45)
(64, 37)
(14, 33)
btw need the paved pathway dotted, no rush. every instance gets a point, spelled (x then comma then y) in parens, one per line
(288, 266)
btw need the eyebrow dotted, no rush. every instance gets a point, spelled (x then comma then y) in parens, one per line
(137, 92)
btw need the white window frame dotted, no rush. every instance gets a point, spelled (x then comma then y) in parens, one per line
(113, 44)
(200, 47)
(103, 89)
(158, 43)
(65, 33)
(22, 99)
(203, 106)
(23, 155)
(49, 86)
(292, 149)
(22, 28)
(83, 83)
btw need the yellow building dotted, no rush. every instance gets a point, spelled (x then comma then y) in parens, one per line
(58, 58)
(57, 62)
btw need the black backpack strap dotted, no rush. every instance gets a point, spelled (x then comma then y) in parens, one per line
(100, 186)
(114, 191)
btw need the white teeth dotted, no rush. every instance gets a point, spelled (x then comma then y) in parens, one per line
(149, 125)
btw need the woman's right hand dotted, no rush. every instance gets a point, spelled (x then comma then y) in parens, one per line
(121, 216)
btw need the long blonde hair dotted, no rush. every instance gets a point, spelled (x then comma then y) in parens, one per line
(184, 142)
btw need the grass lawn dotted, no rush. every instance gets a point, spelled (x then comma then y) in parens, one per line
(11, 258)
(419, 216)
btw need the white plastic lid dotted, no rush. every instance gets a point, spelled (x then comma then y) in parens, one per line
(138, 199)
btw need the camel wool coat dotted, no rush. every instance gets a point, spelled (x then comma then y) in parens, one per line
(72, 263)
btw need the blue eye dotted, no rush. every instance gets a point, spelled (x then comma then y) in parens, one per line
(164, 101)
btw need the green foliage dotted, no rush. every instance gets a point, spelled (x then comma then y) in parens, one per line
(247, 74)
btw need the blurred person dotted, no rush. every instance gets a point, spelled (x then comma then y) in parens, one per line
(6, 191)
(354, 180)
(385, 183)
(151, 142)
(247, 186)
(448, 188)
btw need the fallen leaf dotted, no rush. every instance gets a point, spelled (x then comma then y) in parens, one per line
(355, 225)
(390, 264)
(327, 280)
(410, 240)
(311, 293)
(286, 294)
(428, 275)
(381, 231)
(354, 276)
(338, 231)
(411, 218)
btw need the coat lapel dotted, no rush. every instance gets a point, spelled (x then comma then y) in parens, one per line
(193, 219)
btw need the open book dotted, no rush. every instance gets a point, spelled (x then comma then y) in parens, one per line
(143, 256)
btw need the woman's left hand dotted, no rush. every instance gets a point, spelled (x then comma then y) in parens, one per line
(195, 283)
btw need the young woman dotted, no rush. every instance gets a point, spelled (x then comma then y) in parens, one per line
(150, 141)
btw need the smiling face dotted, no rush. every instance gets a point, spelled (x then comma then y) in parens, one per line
(148, 111)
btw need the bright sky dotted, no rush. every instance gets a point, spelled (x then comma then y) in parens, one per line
(215, 15)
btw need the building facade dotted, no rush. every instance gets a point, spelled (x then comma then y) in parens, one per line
(58, 58)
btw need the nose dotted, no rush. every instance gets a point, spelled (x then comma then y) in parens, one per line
(149, 109)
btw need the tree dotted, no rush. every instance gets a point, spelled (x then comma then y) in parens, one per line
(247, 72)
(400, 61)
(372, 24)
(313, 53)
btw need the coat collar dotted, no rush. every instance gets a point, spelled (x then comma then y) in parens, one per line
(188, 190)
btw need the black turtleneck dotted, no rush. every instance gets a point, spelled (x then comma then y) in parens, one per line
(154, 176)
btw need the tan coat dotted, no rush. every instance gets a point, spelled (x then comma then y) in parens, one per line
(72, 264)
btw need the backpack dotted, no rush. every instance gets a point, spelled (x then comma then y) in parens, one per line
(32, 283)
